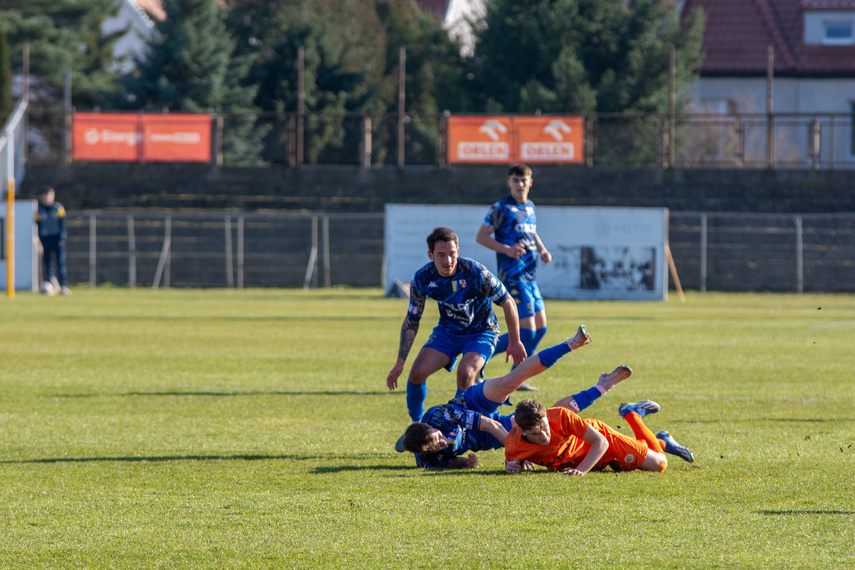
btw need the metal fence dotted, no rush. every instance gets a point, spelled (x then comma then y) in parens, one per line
(782, 140)
(722, 252)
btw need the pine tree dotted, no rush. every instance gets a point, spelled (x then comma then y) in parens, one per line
(189, 67)
(56, 30)
(581, 56)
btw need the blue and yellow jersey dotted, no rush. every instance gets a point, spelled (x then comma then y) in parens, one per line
(51, 221)
(455, 422)
(514, 223)
(464, 299)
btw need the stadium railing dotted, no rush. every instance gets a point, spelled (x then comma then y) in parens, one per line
(747, 140)
(712, 251)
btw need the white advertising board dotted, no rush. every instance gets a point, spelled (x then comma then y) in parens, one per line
(597, 253)
(26, 248)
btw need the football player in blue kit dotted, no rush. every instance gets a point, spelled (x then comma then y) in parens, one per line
(471, 421)
(510, 229)
(464, 291)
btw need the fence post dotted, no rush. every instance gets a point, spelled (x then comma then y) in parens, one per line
(230, 268)
(301, 104)
(132, 254)
(672, 97)
(831, 137)
(66, 111)
(740, 142)
(402, 74)
(770, 117)
(313, 255)
(240, 252)
(93, 247)
(815, 142)
(365, 158)
(799, 256)
(325, 230)
(703, 261)
(442, 141)
(589, 141)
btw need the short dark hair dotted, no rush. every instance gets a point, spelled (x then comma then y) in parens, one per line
(529, 413)
(519, 169)
(415, 437)
(442, 234)
(45, 189)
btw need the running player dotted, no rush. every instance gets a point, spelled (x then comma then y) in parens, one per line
(471, 421)
(463, 290)
(510, 229)
(558, 439)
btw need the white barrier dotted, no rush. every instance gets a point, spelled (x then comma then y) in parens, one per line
(26, 246)
(598, 253)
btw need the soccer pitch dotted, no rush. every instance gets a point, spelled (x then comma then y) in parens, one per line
(216, 428)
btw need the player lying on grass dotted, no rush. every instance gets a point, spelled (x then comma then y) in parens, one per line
(560, 440)
(471, 421)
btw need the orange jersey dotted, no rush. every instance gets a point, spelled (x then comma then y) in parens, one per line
(566, 449)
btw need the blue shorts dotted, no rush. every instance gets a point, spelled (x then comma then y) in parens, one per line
(527, 296)
(453, 345)
(477, 402)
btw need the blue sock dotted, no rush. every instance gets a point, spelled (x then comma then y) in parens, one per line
(550, 356)
(527, 338)
(586, 397)
(531, 339)
(416, 396)
(538, 336)
(502, 344)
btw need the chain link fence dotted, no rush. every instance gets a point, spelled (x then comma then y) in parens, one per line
(712, 251)
(781, 140)
(225, 250)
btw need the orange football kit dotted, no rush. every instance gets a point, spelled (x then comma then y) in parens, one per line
(566, 449)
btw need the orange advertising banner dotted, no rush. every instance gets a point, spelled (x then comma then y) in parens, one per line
(549, 140)
(130, 137)
(105, 136)
(504, 139)
(479, 140)
(177, 138)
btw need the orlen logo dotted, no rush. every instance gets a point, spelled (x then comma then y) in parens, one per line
(551, 150)
(94, 136)
(496, 150)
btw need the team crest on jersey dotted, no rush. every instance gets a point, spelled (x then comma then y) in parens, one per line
(629, 459)
(456, 285)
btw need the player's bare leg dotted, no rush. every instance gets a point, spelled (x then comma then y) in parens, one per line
(499, 388)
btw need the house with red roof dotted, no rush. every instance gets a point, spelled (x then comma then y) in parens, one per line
(813, 43)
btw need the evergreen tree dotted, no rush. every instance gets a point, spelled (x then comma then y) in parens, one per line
(64, 34)
(433, 73)
(581, 56)
(343, 50)
(189, 67)
(5, 79)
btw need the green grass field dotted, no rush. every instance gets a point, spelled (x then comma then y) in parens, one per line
(200, 429)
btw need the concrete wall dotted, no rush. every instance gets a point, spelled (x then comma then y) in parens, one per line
(350, 189)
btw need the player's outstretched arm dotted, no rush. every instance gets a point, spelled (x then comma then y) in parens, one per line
(408, 335)
(599, 445)
(468, 462)
(485, 238)
(494, 427)
(541, 249)
(516, 350)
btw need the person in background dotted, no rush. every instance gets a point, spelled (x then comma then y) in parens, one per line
(50, 219)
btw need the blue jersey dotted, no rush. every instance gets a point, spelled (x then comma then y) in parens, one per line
(51, 221)
(455, 422)
(515, 223)
(464, 299)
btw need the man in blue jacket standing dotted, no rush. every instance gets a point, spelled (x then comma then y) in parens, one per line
(50, 219)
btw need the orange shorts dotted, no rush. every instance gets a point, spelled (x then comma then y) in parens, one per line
(629, 453)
